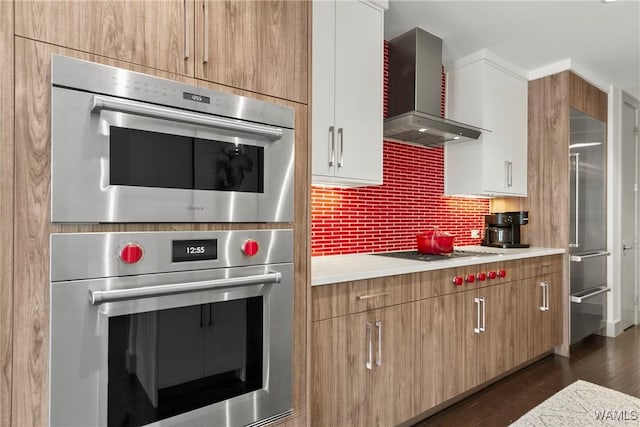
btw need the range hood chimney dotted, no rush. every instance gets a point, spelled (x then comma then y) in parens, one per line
(415, 75)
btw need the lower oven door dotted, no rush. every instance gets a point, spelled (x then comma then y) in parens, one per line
(203, 348)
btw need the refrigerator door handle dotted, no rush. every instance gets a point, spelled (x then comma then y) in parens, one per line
(580, 258)
(580, 298)
(576, 242)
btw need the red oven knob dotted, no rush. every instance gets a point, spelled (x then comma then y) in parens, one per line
(502, 273)
(131, 253)
(481, 277)
(492, 275)
(470, 278)
(458, 280)
(250, 247)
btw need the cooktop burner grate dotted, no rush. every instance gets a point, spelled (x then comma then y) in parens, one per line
(418, 256)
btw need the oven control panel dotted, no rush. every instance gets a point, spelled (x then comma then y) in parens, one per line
(133, 253)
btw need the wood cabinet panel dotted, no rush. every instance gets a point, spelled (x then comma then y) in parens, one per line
(540, 330)
(497, 348)
(587, 98)
(6, 209)
(32, 228)
(548, 170)
(440, 282)
(345, 390)
(532, 267)
(260, 46)
(154, 34)
(445, 360)
(362, 295)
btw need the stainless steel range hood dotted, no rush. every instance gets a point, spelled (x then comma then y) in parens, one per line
(415, 76)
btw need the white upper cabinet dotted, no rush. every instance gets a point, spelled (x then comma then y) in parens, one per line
(485, 91)
(347, 67)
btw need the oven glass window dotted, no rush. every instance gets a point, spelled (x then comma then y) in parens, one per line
(168, 362)
(151, 159)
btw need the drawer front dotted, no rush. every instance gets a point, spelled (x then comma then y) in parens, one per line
(440, 282)
(533, 267)
(339, 299)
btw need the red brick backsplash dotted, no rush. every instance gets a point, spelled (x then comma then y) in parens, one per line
(388, 217)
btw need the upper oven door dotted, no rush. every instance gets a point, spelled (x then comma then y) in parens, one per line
(119, 160)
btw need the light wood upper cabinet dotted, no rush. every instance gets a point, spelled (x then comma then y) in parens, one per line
(260, 46)
(347, 64)
(154, 34)
(488, 95)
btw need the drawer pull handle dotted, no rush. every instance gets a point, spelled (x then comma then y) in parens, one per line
(382, 294)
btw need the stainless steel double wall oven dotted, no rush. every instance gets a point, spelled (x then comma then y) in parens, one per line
(189, 328)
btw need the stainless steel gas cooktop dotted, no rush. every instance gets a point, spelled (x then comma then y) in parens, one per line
(418, 256)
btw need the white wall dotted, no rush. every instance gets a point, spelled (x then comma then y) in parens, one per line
(614, 202)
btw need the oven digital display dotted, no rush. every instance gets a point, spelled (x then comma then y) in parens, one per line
(194, 250)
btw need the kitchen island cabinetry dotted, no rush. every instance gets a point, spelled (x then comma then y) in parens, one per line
(347, 66)
(452, 339)
(259, 46)
(487, 94)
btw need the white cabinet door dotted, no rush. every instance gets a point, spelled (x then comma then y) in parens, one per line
(504, 149)
(495, 99)
(347, 93)
(323, 87)
(358, 106)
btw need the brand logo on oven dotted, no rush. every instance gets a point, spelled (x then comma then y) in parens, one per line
(195, 97)
(195, 208)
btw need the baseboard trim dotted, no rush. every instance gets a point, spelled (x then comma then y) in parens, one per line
(613, 329)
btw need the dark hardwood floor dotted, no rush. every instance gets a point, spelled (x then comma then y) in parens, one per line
(609, 362)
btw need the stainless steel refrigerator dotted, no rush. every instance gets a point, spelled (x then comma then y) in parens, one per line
(588, 234)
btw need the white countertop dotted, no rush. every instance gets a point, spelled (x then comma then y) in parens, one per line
(343, 268)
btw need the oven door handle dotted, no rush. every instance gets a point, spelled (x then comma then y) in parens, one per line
(101, 297)
(100, 102)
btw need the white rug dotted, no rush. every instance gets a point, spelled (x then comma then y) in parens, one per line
(583, 404)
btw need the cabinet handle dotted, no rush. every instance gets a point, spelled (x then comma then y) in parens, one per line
(506, 173)
(201, 315)
(576, 242)
(477, 329)
(382, 294)
(341, 142)
(332, 145)
(510, 174)
(379, 355)
(205, 12)
(546, 296)
(369, 363)
(543, 306)
(186, 29)
(484, 314)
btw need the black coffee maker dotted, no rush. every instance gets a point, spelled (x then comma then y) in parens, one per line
(503, 229)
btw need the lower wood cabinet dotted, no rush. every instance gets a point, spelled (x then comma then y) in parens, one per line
(387, 365)
(363, 370)
(540, 313)
(467, 339)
